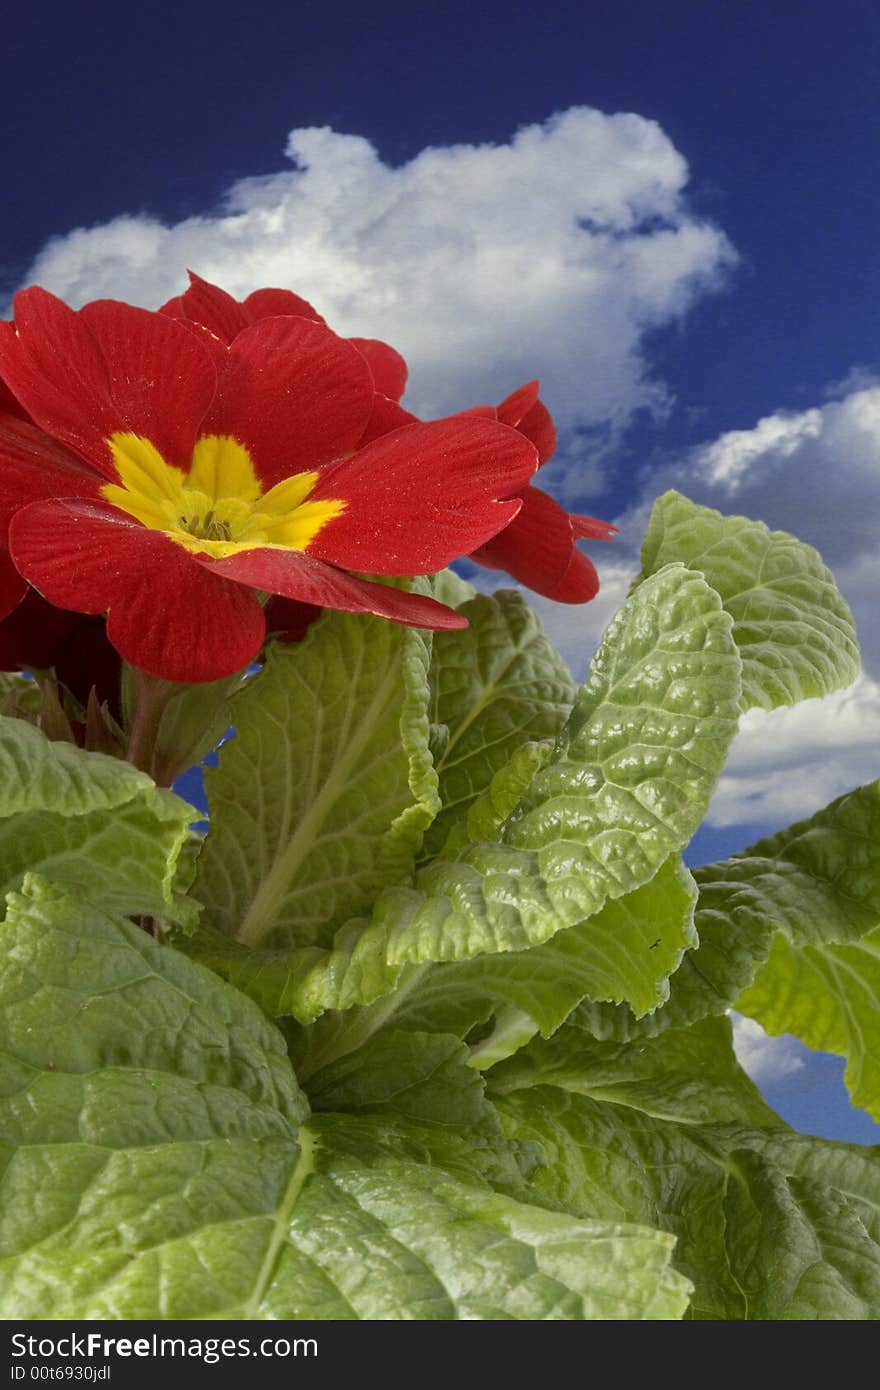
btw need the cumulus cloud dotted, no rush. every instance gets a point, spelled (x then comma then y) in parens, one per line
(816, 473)
(786, 764)
(727, 463)
(486, 265)
(767, 1060)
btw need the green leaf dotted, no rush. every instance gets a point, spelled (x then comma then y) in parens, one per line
(829, 997)
(88, 821)
(689, 1075)
(81, 990)
(156, 1166)
(20, 695)
(815, 884)
(493, 687)
(620, 948)
(853, 1170)
(192, 724)
(613, 1163)
(797, 1249)
(449, 588)
(416, 1079)
(422, 1077)
(794, 631)
(322, 797)
(628, 784)
(477, 1254)
(769, 1224)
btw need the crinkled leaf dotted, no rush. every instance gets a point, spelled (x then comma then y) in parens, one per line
(851, 1169)
(155, 1166)
(794, 631)
(629, 782)
(498, 1002)
(322, 797)
(829, 997)
(423, 1077)
(768, 1224)
(816, 884)
(493, 687)
(797, 1249)
(88, 821)
(689, 1075)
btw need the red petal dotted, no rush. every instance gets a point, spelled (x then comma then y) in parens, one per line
(39, 635)
(385, 416)
(288, 620)
(213, 308)
(531, 417)
(518, 403)
(34, 466)
(12, 589)
(580, 582)
(294, 394)
(423, 495)
(167, 614)
(109, 368)
(33, 632)
(388, 367)
(9, 405)
(267, 304)
(173, 307)
(295, 575)
(588, 528)
(536, 547)
(537, 425)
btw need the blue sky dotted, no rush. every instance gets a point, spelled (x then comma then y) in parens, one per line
(668, 212)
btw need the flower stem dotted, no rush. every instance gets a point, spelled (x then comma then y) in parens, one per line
(152, 696)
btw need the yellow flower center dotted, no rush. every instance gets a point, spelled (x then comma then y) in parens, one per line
(218, 508)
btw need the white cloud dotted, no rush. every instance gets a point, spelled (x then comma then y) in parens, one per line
(767, 1060)
(788, 763)
(816, 474)
(485, 265)
(726, 463)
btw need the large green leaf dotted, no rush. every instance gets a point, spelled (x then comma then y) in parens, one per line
(627, 948)
(322, 796)
(851, 1169)
(669, 1132)
(689, 1075)
(814, 884)
(794, 631)
(156, 1165)
(628, 784)
(88, 821)
(493, 687)
(522, 992)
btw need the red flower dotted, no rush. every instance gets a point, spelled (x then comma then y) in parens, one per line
(538, 547)
(164, 476)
